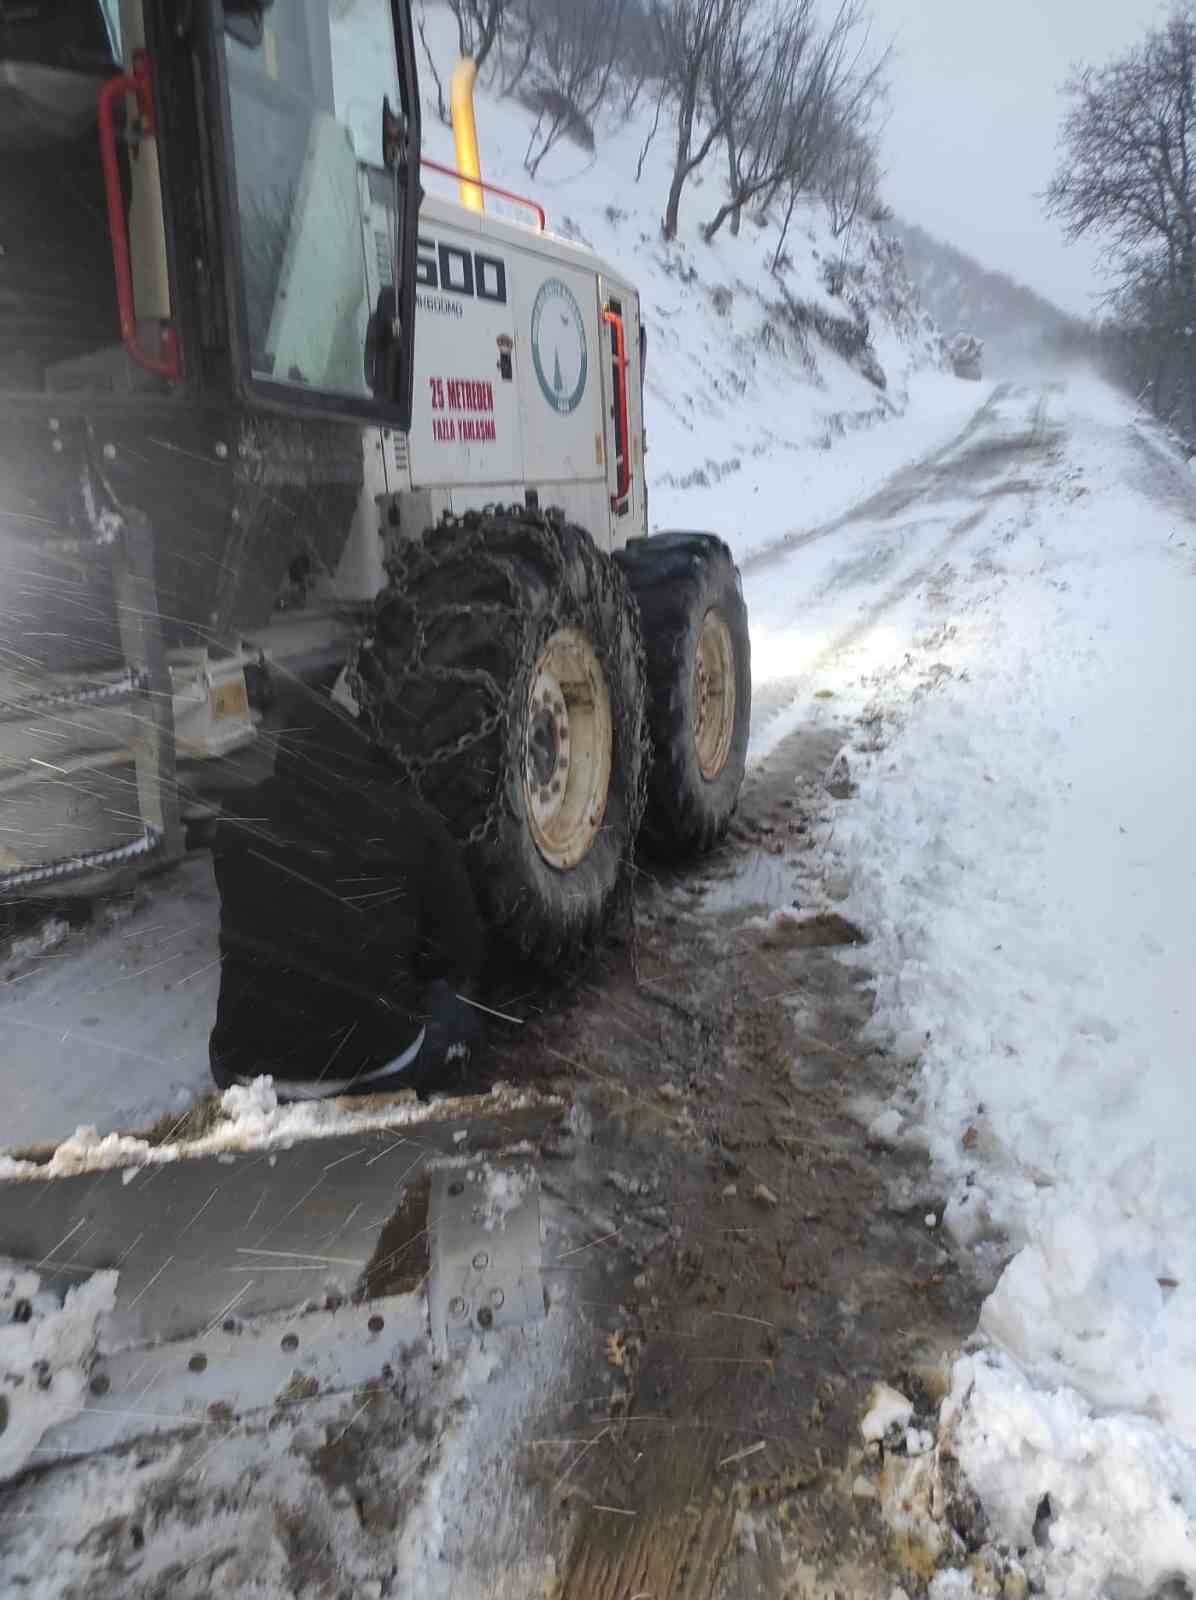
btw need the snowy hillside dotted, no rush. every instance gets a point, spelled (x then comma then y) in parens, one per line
(1018, 327)
(751, 376)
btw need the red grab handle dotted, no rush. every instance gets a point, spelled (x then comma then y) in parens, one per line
(139, 82)
(490, 188)
(624, 442)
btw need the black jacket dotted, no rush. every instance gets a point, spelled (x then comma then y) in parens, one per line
(342, 899)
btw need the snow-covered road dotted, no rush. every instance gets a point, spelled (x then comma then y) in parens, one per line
(845, 599)
(1008, 624)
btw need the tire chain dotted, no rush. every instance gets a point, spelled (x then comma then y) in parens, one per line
(415, 559)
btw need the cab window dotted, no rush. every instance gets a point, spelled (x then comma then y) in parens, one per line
(306, 83)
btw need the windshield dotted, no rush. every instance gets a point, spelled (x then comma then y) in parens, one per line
(306, 98)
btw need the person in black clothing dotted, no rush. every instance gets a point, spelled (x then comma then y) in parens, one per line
(349, 935)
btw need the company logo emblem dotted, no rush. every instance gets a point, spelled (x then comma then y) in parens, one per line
(559, 352)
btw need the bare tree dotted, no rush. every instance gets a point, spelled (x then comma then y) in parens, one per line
(442, 110)
(849, 178)
(479, 26)
(523, 15)
(688, 35)
(652, 132)
(741, 74)
(807, 88)
(1128, 178)
(573, 67)
(638, 67)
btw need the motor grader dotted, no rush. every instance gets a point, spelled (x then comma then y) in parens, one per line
(272, 410)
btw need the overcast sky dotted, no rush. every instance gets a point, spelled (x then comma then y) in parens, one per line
(974, 118)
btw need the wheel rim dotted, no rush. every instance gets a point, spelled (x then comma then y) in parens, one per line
(714, 695)
(567, 759)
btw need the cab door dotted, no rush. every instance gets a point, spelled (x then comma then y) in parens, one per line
(304, 85)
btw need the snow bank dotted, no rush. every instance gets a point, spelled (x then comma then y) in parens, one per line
(506, 1190)
(1022, 857)
(44, 1351)
(1105, 1505)
(253, 1119)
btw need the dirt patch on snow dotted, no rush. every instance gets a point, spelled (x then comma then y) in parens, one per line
(401, 1257)
(745, 1273)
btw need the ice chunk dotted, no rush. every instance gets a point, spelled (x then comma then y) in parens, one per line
(44, 1353)
(887, 1408)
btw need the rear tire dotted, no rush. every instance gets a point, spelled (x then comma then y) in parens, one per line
(698, 651)
(504, 678)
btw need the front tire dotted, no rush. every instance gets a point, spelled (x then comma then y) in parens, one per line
(698, 651)
(504, 677)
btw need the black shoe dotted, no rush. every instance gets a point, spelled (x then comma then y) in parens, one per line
(453, 1030)
(397, 1074)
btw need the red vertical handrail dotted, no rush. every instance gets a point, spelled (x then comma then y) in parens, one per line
(623, 443)
(139, 82)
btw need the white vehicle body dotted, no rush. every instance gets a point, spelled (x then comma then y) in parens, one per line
(504, 314)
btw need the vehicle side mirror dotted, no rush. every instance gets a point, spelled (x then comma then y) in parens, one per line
(243, 19)
(392, 135)
(382, 345)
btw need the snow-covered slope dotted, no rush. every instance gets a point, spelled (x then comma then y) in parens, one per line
(751, 376)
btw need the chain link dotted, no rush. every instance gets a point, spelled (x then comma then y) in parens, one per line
(94, 694)
(87, 861)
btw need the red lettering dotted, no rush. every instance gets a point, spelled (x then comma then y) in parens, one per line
(478, 430)
(462, 394)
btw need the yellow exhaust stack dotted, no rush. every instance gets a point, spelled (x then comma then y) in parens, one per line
(465, 132)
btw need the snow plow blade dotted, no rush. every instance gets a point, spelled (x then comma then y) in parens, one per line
(245, 1281)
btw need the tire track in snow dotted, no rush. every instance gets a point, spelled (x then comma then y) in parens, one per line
(909, 485)
(772, 704)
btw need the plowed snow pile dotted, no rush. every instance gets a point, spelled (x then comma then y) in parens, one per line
(1021, 852)
(45, 1347)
